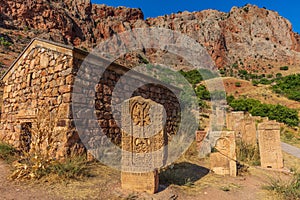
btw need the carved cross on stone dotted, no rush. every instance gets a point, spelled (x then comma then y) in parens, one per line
(143, 144)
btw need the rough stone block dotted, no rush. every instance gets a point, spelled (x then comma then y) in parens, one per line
(269, 145)
(143, 143)
(141, 182)
(223, 161)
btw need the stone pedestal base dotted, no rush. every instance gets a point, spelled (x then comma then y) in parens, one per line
(140, 182)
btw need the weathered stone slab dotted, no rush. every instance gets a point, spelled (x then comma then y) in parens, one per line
(221, 116)
(200, 135)
(141, 182)
(223, 161)
(143, 144)
(235, 122)
(249, 132)
(218, 119)
(269, 145)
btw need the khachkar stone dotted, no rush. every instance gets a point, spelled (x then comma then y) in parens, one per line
(200, 135)
(249, 132)
(221, 116)
(143, 144)
(218, 118)
(269, 145)
(223, 161)
(234, 122)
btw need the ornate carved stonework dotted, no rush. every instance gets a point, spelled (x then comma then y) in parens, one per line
(140, 113)
(269, 145)
(223, 162)
(143, 143)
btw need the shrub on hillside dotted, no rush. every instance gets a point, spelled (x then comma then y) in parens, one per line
(284, 68)
(274, 112)
(288, 86)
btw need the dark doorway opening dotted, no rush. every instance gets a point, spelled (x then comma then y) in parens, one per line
(25, 137)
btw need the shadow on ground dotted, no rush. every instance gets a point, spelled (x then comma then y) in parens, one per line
(184, 173)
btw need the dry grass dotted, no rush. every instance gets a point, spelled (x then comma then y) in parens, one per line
(40, 160)
(286, 189)
(247, 153)
(7, 152)
(290, 136)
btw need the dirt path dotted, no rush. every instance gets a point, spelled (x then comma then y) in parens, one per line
(105, 184)
(290, 149)
(12, 191)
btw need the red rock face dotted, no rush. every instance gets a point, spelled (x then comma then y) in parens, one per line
(249, 34)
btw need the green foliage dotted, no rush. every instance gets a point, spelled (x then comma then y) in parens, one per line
(235, 65)
(288, 86)
(265, 81)
(278, 75)
(288, 190)
(274, 112)
(255, 82)
(243, 72)
(202, 93)
(7, 152)
(4, 42)
(243, 104)
(195, 76)
(238, 84)
(192, 76)
(284, 68)
(229, 99)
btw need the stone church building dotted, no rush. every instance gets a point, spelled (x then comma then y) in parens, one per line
(37, 100)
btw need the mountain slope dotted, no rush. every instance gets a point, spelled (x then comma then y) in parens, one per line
(252, 37)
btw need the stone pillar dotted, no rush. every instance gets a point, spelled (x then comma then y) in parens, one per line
(223, 161)
(218, 118)
(235, 121)
(221, 116)
(143, 144)
(200, 135)
(249, 132)
(269, 145)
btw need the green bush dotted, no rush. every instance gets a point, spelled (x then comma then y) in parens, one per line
(284, 68)
(193, 76)
(274, 112)
(288, 86)
(278, 75)
(202, 93)
(238, 84)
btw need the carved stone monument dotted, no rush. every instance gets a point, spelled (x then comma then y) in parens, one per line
(200, 135)
(269, 145)
(249, 132)
(234, 122)
(223, 160)
(143, 144)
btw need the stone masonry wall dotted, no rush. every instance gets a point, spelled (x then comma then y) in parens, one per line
(108, 118)
(42, 80)
(40, 83)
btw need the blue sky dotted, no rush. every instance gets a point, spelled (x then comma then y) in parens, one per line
(289, 9)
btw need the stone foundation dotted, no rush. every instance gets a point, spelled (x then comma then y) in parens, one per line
(141, 182)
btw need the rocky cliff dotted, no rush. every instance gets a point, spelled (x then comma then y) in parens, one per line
(249, 36)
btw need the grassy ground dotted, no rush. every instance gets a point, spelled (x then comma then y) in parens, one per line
(290, 136)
